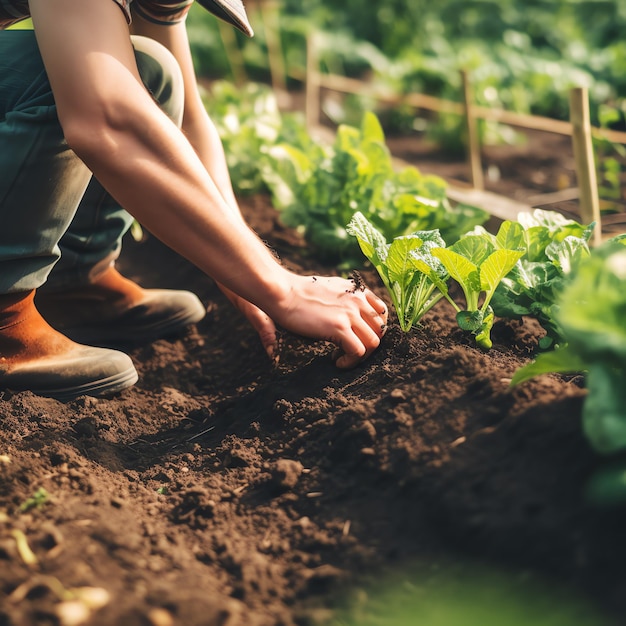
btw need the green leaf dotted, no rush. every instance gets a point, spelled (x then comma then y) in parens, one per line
(469, 320)
(568, 252)
(496, 267)
(511, 236)
(399, 261)
(560, 361)
(593, 308)
(371, 129)
(604, 410)
(459, 268)
(475, 248)
(537, 239)
(371, 240)
(483, 336)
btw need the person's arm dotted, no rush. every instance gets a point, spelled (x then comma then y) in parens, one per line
(197, 125)
(204, 137)
(149, 166)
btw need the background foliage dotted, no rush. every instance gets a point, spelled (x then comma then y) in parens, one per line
(523, 55)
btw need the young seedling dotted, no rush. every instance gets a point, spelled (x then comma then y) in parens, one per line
(38, 499)
(408, 270)
(478, 263)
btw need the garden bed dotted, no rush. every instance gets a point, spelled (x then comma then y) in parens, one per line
(225, 489)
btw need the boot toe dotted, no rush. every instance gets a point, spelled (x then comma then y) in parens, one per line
(82, 371)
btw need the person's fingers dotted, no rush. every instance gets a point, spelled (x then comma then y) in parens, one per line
(376, 321)
(267, 334)
(358, 344)
(376, 303)
(376, 316)
(258, 319)
(364, 333)
(265, 328)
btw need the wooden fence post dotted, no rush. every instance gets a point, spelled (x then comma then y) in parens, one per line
(270, 14)
(235, 57)
(313, 84)
(473, 143)
(585, 163)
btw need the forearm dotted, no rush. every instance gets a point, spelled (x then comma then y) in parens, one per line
(204, 138)
(156, 175)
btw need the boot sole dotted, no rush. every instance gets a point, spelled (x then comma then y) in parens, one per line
(103, 387)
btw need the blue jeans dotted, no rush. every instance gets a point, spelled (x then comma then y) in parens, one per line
(57, 223)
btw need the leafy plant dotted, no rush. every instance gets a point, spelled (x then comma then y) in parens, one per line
(591, 314)
(248, 120)
(478, 264)
(400, 266)
(553, 246)
(416, 269)
(320, 188)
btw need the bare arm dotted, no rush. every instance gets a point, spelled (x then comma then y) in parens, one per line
(150, 167)
(203, 136)
(197, 125)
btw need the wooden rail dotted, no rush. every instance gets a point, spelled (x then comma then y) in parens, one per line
(344, 84)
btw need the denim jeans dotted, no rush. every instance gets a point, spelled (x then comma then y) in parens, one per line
(57, 223)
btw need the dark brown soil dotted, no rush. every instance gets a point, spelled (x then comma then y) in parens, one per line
(225, 490)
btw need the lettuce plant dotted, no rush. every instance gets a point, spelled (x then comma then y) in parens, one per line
(478, 263)
(416, 269)
(249, 121)
(318, 188)
(405, 267)
(553, 246)
(591, 313)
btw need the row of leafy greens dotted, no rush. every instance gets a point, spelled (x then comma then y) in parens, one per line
(515, 273)
(320, 187)
(317, 187)
(540, 266)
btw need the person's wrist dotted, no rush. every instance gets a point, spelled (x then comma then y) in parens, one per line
(279, 287)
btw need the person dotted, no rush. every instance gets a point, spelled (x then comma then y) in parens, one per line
(99, 110)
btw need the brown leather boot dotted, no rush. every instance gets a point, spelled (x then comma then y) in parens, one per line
(37, 358)
(114, 311)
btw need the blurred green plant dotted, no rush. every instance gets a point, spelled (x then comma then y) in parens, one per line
(318, 188)
(610, 158)
(516, 58)
(553, 246)
(468, 593)
(247, 119)
(591, 314)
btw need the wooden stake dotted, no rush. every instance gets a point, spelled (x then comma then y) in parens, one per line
(313, 85)
(473, 143)
(585, 163)
(270, 14)
(235, 57)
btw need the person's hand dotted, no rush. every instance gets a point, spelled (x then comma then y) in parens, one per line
(260, 321)
(338, 310)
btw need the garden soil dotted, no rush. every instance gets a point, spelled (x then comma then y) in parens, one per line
(228, 490)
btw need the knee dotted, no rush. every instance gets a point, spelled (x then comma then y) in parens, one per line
(161, 75)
